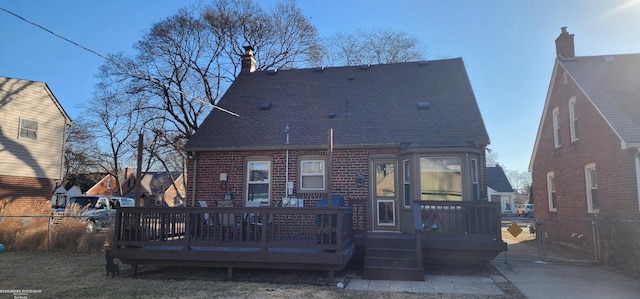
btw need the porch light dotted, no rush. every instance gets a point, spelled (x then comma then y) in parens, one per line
(228, 196)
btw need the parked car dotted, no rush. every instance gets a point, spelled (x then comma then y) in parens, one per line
(527, 211)
(98, 212)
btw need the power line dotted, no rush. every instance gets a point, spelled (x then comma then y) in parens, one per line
(113, 61)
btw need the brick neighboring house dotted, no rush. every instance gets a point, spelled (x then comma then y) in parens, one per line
(32, 142)
(499, 189)
(156, 188)
(586, 159)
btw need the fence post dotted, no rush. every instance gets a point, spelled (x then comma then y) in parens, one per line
(49, 232)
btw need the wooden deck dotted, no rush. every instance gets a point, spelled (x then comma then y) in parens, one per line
(248, 237)
(306, 238)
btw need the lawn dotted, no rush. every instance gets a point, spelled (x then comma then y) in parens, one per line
(63, 275)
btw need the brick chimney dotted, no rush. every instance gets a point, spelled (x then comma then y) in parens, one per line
(564, 45)
(248, 60)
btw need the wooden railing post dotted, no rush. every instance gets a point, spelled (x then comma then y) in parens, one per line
(263, 229)
(188, 228)
(417, 229)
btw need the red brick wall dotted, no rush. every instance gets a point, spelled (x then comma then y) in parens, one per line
(25, 194)
(347, 164)
(598, 143)
(102, 187)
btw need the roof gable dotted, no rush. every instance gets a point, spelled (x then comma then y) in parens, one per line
(497, 180)
(426, 103)
(610, 82)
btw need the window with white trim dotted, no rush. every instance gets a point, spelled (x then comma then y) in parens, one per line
(258, 181)
(551, 191)
(406, 179)
(28, 129)
(573, 119)
(592, 187)
(475, 186)
(556, 127)
(312, 175)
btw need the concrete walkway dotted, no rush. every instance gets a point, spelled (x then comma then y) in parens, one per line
(441, 284)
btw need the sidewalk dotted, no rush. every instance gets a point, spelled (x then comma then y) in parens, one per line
(553, 278)
(436, 284)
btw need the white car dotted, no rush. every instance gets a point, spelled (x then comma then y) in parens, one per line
(100, 210)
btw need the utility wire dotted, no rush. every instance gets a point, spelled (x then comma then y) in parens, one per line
(113, 61)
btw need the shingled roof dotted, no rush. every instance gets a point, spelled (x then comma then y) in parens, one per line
(497, 180)
(611, 83)
(414, 104)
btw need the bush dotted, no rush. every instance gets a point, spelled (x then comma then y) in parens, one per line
(65, 233)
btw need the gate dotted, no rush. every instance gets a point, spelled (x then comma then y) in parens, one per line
(551, 239)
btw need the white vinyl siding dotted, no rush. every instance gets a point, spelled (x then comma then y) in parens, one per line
(22, 156)
(573, 119)
(556, 127)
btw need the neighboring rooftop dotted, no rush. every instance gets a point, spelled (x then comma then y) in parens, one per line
(497, 180)
(611, 83)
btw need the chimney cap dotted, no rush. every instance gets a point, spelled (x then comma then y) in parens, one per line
(250, 48)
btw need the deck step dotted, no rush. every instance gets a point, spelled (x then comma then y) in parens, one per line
(393, 273)
(392, 264)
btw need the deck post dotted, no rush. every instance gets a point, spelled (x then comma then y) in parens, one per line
(417, 230)
(229, 273)
(332, 275)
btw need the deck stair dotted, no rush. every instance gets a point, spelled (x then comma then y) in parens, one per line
(392, 257)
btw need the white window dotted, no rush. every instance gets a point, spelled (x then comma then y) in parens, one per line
(551, 191)
(312, 175)
(28, 129)
(573, 119)
(592, 187)
(475, 187)
(407, 182)
(556, 127)
(258, 181)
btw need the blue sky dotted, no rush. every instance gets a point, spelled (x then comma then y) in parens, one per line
(507, 45)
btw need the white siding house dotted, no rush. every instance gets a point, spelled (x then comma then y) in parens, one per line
(32, 140)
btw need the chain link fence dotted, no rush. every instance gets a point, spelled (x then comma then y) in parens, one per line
(551, 239)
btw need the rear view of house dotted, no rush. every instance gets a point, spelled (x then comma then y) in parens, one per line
(32, 141)
(586, 160)
(309, 168)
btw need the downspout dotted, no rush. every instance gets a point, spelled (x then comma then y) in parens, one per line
(194, 178)
(286, 167)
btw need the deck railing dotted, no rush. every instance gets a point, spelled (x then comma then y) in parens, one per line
(259, 228)
(460, 219)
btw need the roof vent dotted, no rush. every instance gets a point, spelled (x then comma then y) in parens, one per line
(423, 62)
(272, 71)
(351, 78)
(332, 114)
(319, 69)
(365, 66)
(265, 105)
(424, 105)
(609, 59)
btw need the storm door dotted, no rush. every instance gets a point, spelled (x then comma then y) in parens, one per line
(384, 199)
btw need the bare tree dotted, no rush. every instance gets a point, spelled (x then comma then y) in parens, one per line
(371, 47)
(80, 149)
(186, 61)
(113, 121)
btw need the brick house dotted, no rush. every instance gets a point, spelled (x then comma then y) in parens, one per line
(403, 133)
(156, 188)
(586, 158)
(32, 142)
